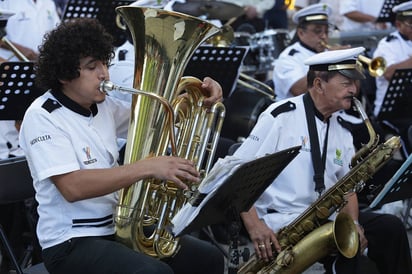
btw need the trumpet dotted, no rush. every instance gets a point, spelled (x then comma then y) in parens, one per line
(376, 66)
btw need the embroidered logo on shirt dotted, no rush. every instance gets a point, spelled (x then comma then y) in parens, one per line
(254, 138)
(40, 139)
(89, 160)
(305, 143)
(338, 157)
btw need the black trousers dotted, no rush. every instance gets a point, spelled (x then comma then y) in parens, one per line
(102, 255)
(388, 248)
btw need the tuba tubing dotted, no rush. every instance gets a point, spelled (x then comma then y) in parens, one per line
(163, 41)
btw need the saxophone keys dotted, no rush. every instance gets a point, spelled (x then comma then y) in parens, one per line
(322, 212)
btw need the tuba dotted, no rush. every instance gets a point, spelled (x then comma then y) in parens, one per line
(310, 237)
(162, 123)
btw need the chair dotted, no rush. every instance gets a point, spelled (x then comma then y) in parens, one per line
(16, 186)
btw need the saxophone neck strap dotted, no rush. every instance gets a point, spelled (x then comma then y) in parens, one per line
(318, 159)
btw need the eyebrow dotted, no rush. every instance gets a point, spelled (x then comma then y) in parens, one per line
(89, 62)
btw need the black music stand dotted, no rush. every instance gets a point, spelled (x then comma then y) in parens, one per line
(395, 111)
(386, 14)
(236, 194)
(398, 188)
(398, 97)
(220, 63)
(17, 89)
(102, 10)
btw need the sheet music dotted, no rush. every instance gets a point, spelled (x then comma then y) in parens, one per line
(217, 175)
(232, 186)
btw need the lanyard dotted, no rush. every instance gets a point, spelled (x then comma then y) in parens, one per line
(318, 160)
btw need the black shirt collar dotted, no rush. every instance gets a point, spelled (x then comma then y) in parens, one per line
(318, 114)
(307, 47)
(72, 105)
(403, 37)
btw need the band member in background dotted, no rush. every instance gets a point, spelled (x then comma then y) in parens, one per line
(69, 138)
(396, 49)
(311, 37)
(23, 28)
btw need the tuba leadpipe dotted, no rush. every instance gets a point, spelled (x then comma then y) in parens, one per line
(163, 41)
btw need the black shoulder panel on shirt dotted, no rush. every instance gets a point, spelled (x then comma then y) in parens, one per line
(390, 37)
(292, 52)
(288, 106)
(345, 124)
(51, 105)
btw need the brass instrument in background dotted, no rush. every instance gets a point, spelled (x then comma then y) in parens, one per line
(376, 66)
(15, 50)
(308, 239)
(255, 85)
(163, 123)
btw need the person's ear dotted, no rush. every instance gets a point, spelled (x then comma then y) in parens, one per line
(317, 84)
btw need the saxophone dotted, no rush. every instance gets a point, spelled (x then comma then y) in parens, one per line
(162, 123)
(311, 236)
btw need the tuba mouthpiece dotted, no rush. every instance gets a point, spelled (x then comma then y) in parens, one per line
(106, 86)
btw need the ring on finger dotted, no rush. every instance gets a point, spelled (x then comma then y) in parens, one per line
(261, 246)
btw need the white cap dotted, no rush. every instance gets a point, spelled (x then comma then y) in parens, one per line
(6, 14)
(316, 13)
(345, 61)
(148, 4)
(404, 9)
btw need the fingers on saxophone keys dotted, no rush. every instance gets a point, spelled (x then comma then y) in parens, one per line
(263, 251)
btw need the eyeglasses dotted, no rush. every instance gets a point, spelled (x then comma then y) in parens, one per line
(408, 24)
(318, 31)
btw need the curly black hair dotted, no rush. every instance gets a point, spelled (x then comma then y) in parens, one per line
(63, 47)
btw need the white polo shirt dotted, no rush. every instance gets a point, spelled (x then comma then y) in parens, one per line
(283, 125)
(370, 7)
(394, 49)
(58, 136)
(289, 68)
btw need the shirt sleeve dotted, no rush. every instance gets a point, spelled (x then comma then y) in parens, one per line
(288, 70)
(47, 148)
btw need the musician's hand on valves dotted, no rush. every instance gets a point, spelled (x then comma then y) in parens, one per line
(170, 168)
(212, 90)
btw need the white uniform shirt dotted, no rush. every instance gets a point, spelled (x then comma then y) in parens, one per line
(122, 70)
(289, 68)
(394, 49)
(371, 7)
(31, 21)
(58, 137)
(260, 5)
(293, 191)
